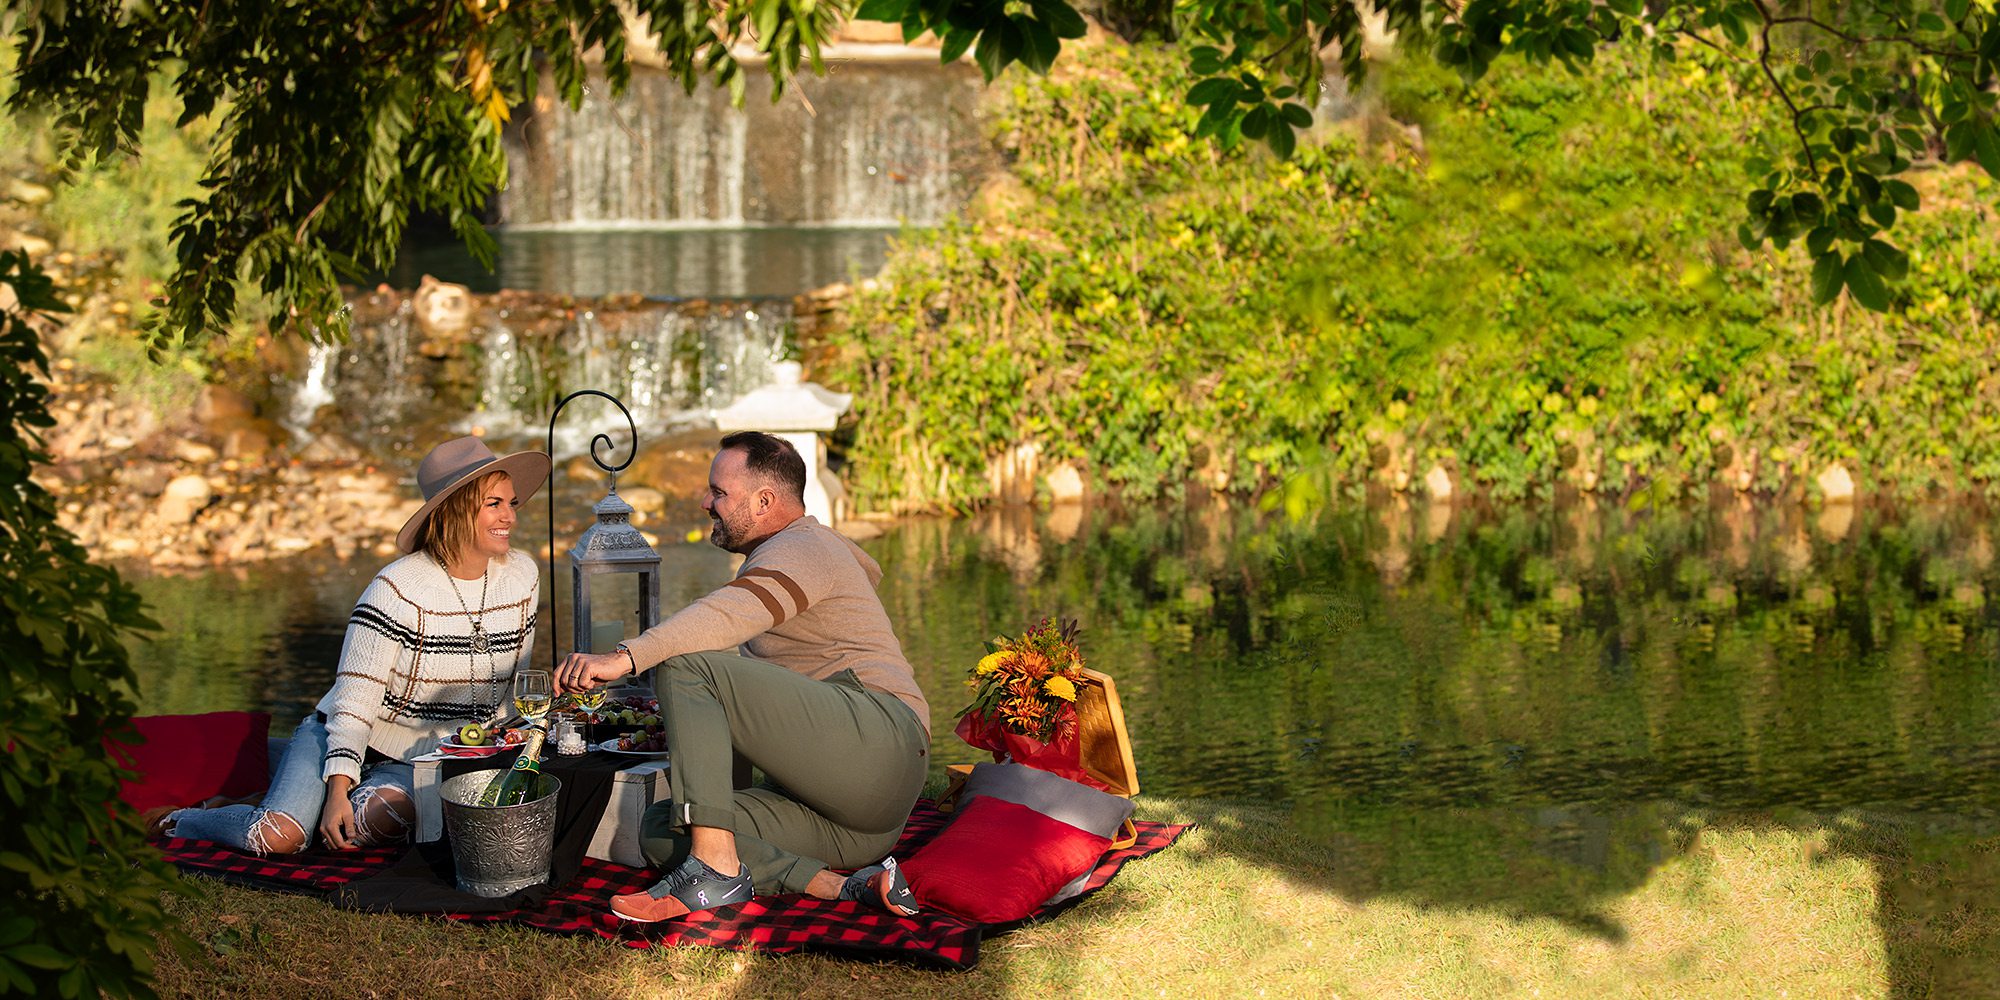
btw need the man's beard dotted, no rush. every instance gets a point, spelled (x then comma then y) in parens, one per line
(726, 536)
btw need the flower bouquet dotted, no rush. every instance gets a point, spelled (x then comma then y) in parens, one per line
(1024, 701)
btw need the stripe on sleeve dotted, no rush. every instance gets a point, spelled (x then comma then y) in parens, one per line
(798, 593)
(770, 603)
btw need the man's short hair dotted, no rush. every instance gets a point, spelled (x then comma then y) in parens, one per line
(772, 457)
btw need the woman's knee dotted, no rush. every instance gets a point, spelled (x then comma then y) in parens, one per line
(273, 832)
(382, 814)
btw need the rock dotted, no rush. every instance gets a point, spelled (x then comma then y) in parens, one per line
(329, 449)
(143, 478)
(859, 531)
(193, 452)
(29, 193)
(1011, 475)
(122, 546)
(246, 443)
(1065, 484)
(33, 246)
(1836, 485)
(676, 467)
(219, 404)
(182, 499)
(443, 310)
(645, 499)
(1437, 483)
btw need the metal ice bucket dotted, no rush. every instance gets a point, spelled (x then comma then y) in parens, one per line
(499, 849)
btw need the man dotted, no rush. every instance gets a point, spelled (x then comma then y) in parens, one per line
(825, 705)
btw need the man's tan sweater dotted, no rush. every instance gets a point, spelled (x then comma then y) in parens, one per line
(804, 600)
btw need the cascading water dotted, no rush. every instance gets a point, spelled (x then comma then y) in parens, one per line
(867, 145)
(672, 363)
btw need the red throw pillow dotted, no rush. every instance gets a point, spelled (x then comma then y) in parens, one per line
(997, 861)
(187, 758)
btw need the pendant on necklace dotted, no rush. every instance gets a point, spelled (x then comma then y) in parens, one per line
(480, 643)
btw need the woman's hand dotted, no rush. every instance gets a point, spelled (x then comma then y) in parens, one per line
(336, 818)
(583, 671)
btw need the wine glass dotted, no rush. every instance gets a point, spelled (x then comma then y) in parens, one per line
(590, 700)
(533, 694)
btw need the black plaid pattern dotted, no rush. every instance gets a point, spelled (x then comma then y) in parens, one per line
(777, 925)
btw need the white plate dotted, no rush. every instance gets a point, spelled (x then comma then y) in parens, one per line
(611, 746)
(452, 746)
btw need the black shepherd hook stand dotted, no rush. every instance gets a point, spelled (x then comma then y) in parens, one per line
(613, 470)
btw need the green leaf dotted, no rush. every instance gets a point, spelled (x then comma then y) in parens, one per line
(988, 53)
(1216, 90)
(1297, 115)
(956, 41)
(1282, 140)
(1819, 240)
(1060, 17)
(1807, 205)
(1901, 194)
(890, 11)
(1986, 141)
(1826, 278)
(39, 956)
(1040, 46)
(1928, 21)
(1751, 239)
(1954, 10)
(1886, 260)
(1865, 285)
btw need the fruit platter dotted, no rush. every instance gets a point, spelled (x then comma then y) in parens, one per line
(475, 740)
(630, 714)
(652, 744)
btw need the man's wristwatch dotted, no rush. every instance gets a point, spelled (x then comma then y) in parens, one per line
(629, 658)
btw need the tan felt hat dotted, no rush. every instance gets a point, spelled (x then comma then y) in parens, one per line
(463, 460)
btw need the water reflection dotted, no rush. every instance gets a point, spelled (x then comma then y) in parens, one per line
(1523, 710)
(734, 263)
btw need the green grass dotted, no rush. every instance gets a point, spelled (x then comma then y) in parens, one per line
(1758, 906)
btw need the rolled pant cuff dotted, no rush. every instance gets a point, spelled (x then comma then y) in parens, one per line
(687, 814)
(797, 875)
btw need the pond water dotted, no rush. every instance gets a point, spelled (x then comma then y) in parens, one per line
(687, 262)
(1521, 709)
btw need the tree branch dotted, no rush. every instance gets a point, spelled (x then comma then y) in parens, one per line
(1764, 62)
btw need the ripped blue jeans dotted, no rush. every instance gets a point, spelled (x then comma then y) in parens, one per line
(298, 793)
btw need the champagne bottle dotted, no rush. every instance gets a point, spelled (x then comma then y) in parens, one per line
(513, 786)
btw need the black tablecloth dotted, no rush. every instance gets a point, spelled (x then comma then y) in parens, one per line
(425, 880)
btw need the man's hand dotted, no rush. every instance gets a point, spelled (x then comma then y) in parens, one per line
(583, 671)
(336, 818)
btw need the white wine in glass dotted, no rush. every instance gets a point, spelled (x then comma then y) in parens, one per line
(533, 694)
(591, 700)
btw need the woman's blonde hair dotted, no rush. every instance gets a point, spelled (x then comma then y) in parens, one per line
(449, 529)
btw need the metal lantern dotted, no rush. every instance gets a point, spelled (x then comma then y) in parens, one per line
(612, 545)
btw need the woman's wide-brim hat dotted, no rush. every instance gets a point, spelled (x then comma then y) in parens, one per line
(459, 462)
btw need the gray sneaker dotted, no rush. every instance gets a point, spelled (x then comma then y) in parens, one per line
(693, 886)
(882, 885)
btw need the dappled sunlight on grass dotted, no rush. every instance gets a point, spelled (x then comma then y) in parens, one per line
(1748, 905)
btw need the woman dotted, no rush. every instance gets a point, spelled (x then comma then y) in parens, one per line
(433, 643)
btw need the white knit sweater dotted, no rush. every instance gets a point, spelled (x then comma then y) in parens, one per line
(408, 676)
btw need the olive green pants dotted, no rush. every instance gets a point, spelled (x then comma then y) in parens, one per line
(843, 765)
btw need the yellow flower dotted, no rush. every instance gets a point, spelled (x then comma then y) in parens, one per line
(1061, 687)
(991, 662)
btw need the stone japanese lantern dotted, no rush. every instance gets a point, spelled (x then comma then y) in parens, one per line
(612, 546)
(799, 412)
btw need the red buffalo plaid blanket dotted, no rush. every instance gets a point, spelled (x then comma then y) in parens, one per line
(774, 924)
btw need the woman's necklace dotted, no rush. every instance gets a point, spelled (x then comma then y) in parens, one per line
(480, 643)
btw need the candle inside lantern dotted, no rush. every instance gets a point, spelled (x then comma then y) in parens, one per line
(605, 636)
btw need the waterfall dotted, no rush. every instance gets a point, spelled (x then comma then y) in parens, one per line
(672, 363)
(312, 393)
(868, 145)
